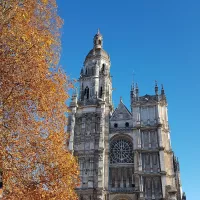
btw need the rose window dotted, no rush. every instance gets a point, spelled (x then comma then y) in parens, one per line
(121, 151)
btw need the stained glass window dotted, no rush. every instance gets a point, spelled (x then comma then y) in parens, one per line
(121, 151)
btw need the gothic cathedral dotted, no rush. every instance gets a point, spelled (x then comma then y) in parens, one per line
(123, 154)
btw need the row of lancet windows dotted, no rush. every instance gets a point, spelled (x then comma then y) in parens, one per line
(87, 92)
(91, 71)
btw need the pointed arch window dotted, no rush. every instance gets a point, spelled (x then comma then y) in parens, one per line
(87, 92)
(127, 124)
(103, 67)
(148, 187)
(101, 92)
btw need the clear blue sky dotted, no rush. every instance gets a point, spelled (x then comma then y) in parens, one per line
(159, 40)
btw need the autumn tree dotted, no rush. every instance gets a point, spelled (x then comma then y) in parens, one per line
(33, 92)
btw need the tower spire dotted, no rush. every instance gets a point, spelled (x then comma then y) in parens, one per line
(184, 196)
(137, 90)
(133, 79)
(156, 87)
(162, 90)
(98, 31)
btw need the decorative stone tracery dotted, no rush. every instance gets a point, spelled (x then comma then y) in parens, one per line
(121, 151)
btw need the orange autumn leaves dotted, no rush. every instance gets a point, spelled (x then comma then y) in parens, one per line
(33, 92)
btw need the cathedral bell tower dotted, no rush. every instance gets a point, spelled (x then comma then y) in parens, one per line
(95, 80)
(89, 122)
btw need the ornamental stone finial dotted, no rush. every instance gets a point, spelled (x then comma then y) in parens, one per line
(156, 87)
(136, 88)
(162, 90)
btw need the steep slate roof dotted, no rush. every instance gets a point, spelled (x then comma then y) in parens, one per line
(121, 113)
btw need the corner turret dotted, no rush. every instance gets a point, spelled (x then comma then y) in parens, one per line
(156, 88)
(184, 196)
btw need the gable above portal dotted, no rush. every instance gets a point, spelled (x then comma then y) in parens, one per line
(121, 113)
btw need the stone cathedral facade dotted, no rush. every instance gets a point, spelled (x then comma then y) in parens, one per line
(123, 154)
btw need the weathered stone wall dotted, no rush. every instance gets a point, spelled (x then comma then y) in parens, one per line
(122, 155)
